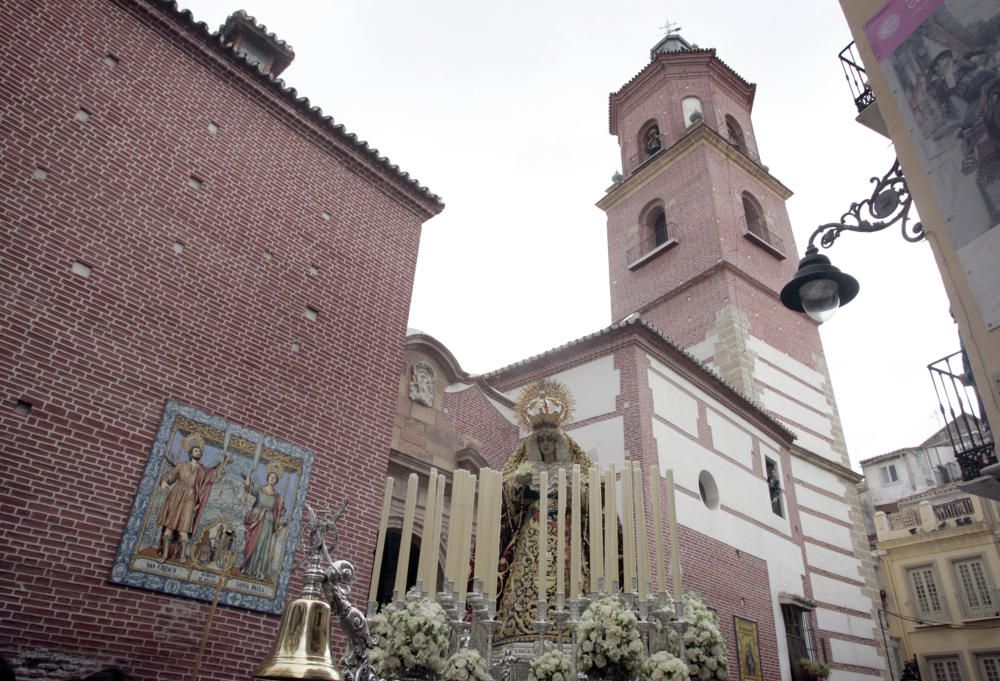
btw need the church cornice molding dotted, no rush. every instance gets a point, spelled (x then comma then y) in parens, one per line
(698, 136)
(840, 470)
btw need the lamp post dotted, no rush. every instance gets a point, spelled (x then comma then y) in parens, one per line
(818, 288)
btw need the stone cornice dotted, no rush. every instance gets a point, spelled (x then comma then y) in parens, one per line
(840, 470)
(699, 133)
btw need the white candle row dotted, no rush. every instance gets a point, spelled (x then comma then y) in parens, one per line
(603, 536)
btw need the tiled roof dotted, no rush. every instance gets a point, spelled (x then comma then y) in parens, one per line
(302, 104)
(241, 14)
(636, 320)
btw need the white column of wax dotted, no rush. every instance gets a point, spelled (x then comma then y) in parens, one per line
(596, 534)
(426, 548)
(561, 536)
(436, 538)
(449, 549)
(628, 528)
(478, 563)
(409, 510)
(575, 535)
(610, 528)
(383, 524)
(654, 502)
(543, 532)
(468, 499)
(641, 535)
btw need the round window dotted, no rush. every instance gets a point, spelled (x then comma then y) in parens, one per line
(708, 490)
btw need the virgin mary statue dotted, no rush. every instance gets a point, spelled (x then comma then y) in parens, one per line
(542, 408)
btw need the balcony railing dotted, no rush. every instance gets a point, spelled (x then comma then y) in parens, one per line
(962, 411)
(661, 239)
(857, 77)
(904, 519)
(956, 508)
(758, 231)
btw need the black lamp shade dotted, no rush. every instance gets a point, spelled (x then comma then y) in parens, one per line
(812, 268)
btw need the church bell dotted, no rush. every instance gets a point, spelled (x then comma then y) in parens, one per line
(302, 649)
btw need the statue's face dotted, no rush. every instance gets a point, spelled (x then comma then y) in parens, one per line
(547, 447)
(272, 478)
(195, 453)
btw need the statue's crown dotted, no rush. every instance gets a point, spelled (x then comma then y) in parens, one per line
(545, 412)
(544, 404)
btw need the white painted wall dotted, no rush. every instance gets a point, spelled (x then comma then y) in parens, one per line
(796, 414)
(820, 528)
(832, 561)
(603, 440)
(806, 374)
(595, 387)
(842, 623)
(674, 404)
(851, 652)
(814, 501)
(840, 675)
(833, 591)
(731, 440)
(816, 476)
(792, 387)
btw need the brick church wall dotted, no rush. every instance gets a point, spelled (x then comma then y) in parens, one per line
(203, 251)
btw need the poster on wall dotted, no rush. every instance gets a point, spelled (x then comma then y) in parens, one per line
(215, 498)
(748, 649)
(942, 61)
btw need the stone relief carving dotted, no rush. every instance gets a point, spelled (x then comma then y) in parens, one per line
(422, 384)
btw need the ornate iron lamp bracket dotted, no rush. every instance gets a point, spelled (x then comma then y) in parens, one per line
(889, 204)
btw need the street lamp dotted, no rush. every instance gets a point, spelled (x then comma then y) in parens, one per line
(818, 288)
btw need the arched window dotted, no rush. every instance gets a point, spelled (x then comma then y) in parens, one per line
(691, 109)
(735, 133)
(390, 555)
(754, 216)
(649, 139)
(654, 219)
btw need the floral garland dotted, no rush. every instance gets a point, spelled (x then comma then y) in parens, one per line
(608, 642)
(413, 637)
(555, 665)
(466, 665)
(663, 666)
(704, 644)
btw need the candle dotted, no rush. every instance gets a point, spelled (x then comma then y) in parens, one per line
(409, 510)
(543, 532)
(641, 535)
(675, 552)
(575, 535)
(462, 568)
(596, 530)
(383, 523)
(436, 537)
(449, 549)
(426, 546)
(628, 528)
(654, 498)
(610, 529)
(491, 535)
(561, 532)
(480, 526)
(484, 534)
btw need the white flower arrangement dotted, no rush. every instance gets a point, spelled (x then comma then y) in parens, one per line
(704, 644)
(466, 665)
(412, 638)
(554, 665)
(663, 666)
(608, 642)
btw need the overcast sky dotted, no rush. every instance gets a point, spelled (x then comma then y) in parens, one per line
(502, 110)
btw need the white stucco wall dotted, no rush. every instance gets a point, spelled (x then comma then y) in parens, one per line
(595, 387)
(604, 441)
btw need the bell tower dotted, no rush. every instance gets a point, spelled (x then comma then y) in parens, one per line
(699, 239)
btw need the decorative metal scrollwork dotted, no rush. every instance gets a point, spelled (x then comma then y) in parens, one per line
(889, 204)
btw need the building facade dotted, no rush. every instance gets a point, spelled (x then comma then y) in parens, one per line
(177, 225)
(940, 563)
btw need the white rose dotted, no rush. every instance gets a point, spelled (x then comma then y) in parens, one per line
(712, 664)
